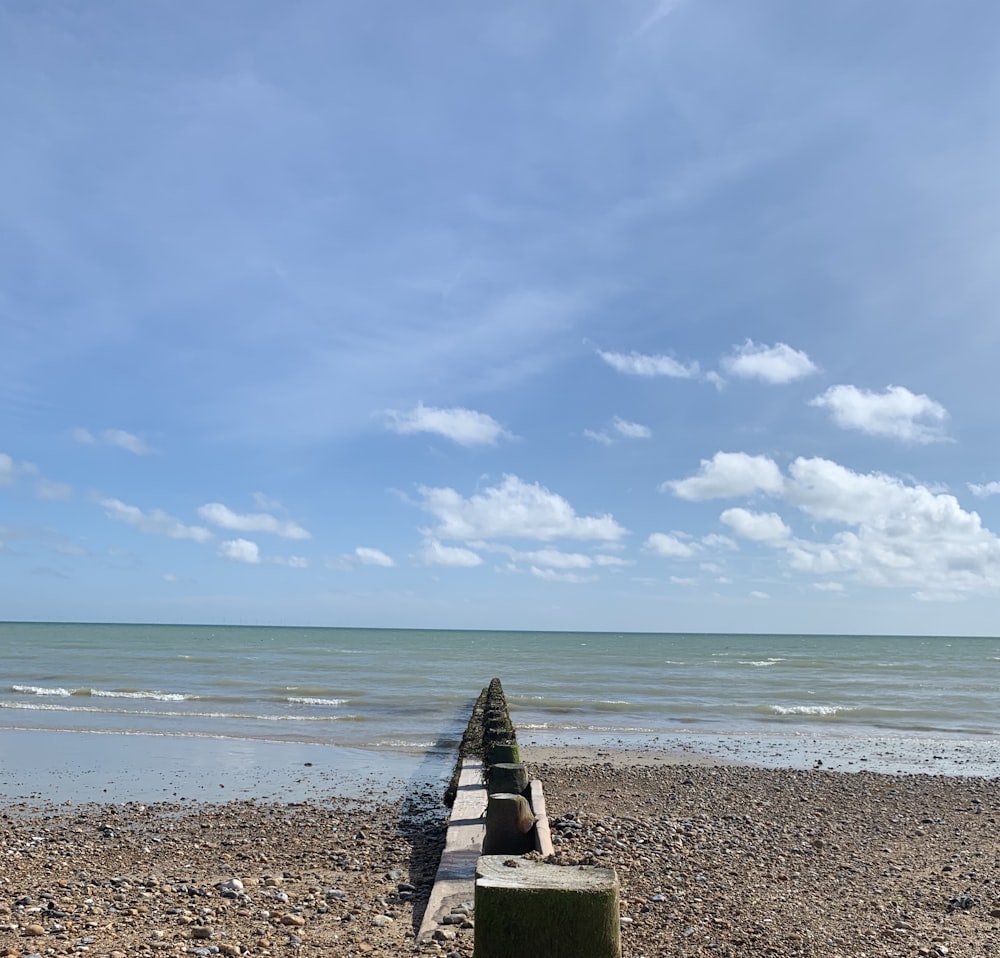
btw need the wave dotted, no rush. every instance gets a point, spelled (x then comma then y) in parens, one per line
(138, 694)
(809, 709)
(761, 663)
(309, 700)
(39, 690)
(102, 693)
(185, 716)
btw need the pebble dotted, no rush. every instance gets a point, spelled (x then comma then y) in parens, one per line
(232, 886)
(751, 861)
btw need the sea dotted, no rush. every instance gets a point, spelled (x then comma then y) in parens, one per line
(143, 712)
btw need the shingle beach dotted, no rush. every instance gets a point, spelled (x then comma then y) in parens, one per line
(713, 860)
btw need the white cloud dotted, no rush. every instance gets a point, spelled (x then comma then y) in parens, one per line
(54, 491)
(986, 489)
(715, 541)
(758, 526)
(729, 474)
(240, 550)
(601, 437)
(114, 437)
(896, 413)
(128, 441)
(631, 430)
(827, 490)
(291, 562)
(639, 364)
(900, 535)
(613, 562)
(368, 556)
(757, 594)
(892, 533)
(773, 364)
(266, 503)
(551, 575)
(7, 469)
(668, 546)
(829, 586)
(217, 514)
(463, 426)
(543, 557)
(434, 553)
(156, 522)
(515, 509)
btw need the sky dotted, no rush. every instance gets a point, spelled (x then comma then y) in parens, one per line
(650, 315)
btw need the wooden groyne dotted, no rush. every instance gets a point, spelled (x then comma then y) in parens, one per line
(495, 864)
(489, 736)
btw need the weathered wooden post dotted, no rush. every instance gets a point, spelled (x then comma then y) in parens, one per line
(507, 777)
(509, 820)
(533, 909)
(505, 752)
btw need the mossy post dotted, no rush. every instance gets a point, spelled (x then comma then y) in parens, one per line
(533, 909)
(509, 824)
(500, 753)
(507, 777)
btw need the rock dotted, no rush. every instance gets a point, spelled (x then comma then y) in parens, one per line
(382, 921)
(201, 932)
(290, 918)
(445, 934)
(34, 931)
(232, 887)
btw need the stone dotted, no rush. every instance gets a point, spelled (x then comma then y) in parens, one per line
(292, 919)
(201, 932)
(34, 931)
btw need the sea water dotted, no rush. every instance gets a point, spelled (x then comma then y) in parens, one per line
(395, 700)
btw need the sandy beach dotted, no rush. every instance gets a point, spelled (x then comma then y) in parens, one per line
(713, 860)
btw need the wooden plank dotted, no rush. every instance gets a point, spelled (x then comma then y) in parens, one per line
(455, 881)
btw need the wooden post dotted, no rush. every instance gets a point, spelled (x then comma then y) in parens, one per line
(509, 821)
(503, 752)
(507, 777)
(533, 909)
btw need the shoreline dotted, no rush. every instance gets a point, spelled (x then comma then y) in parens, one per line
(111, 767)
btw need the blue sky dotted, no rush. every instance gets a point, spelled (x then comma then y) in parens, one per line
(672, 315)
